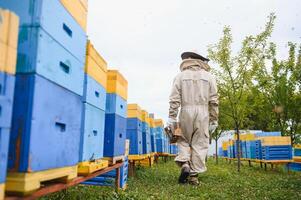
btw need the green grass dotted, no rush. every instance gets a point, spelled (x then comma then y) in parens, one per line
(221, 181)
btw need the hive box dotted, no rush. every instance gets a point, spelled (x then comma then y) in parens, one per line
(146, 143)
(281, 152)
(59, 66)
(116, 105)
(117, 84)
(78, 9)
(96, 66)
(9, 25)
(94, 93)
(46, 126)
(54, 19)
(4, 142)
(135, 137)
(159, 145)
(115, 135)
(7, 85)
(275, 140)
(91, 147)
(134, 111)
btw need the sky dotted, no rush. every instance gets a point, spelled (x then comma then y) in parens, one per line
(144, 39)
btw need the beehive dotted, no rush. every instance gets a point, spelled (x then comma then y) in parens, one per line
(275, 141)
(96, 66)
(78, 10)
(134, 111)
(117, 84)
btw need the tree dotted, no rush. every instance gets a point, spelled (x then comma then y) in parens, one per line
(280, 87)
(235, 73)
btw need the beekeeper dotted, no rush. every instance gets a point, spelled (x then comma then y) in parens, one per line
(195, 91)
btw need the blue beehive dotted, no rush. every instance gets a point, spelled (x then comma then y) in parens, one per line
(116, 105)
(146, 148)
(134, 134)
(294, 166)
(46, 125)
(7, 85)
(173, 149)
(4, 142)
(251, 149)
(258, 149)
(108, 179)
(59, 66)
(94, 93)
(265, 134)
(55, 20)
(159, 143)
(115, 135)
(91, 147)
(297, 151)
(153, 142)
(225, 153)
(281, 152)
(244, 149)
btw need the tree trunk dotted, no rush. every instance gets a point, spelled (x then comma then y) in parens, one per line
(216, 152)
(238, 149)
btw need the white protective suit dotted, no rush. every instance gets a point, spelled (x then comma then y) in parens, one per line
(195, 91)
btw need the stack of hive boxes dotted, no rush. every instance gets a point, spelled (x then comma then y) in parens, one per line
(9, 24)
(47, 117)
(296, 165)
(146, 143)
(93, 118)
(297, 153)
(245, 138)
(167, 143)
(276, 148)
(152, 133)
(134, 129)
(231, 152)
(159, 135)
(116, 116)
(225, 145)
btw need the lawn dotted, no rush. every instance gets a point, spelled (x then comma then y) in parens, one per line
(221, 181)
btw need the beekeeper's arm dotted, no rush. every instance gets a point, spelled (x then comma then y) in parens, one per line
(175, 100)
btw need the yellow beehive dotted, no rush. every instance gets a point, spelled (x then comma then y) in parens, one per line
(134, 111)
(225, 145)
(275, 140)
(231, 142)
(78, 11)
(158, 123)
(152, 122)
(245, 137)
(116, 83)
(145, 117)
(96, 66)
(9, 28)
(2, 188)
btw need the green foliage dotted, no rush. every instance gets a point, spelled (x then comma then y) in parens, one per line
(219, 182)
(258, 91)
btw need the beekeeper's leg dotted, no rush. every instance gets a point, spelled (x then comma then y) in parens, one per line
(184, 157)
(186, 123)
(199, 146)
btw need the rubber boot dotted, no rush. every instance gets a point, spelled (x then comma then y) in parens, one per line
(193, 180)
(185, 170)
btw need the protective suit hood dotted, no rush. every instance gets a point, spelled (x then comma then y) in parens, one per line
(194, 64)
